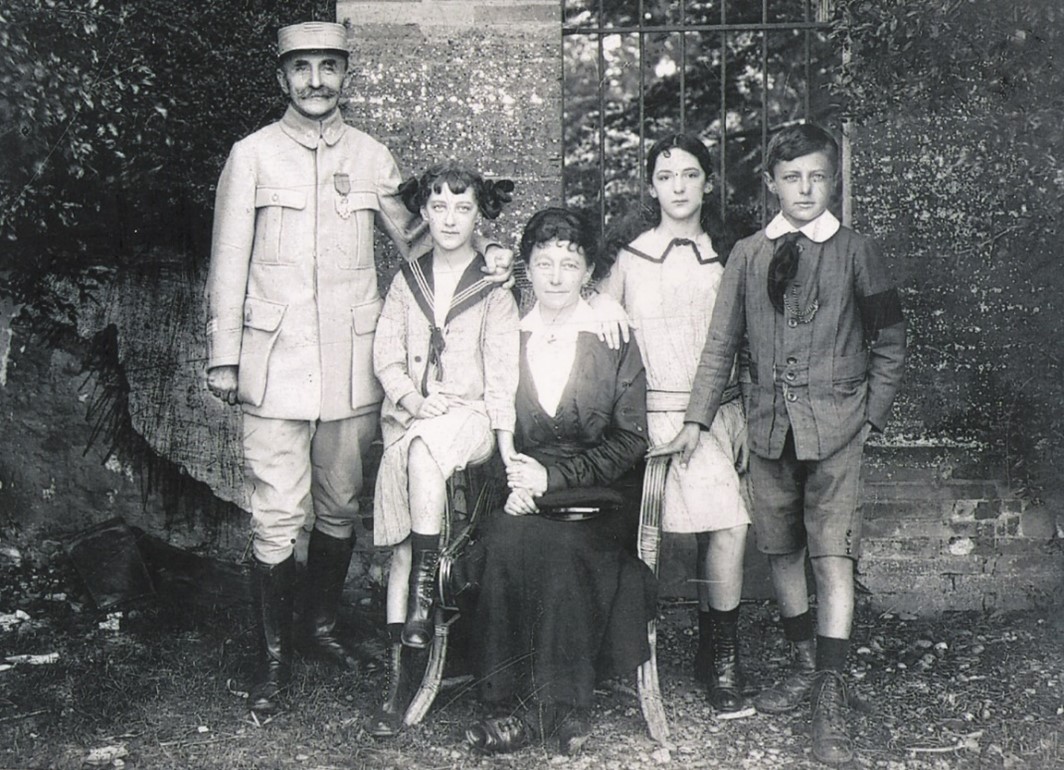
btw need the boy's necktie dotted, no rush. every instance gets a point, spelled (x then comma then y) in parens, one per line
(782, 268)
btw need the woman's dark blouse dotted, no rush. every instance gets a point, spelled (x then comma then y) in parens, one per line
(600, 429)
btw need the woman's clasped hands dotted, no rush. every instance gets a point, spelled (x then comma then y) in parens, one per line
(527, 479)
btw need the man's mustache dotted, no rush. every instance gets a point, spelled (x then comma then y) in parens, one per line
(309, 93)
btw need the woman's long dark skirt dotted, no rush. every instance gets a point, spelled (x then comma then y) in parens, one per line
(560, 604)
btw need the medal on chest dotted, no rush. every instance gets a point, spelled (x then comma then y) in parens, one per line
(342, 184)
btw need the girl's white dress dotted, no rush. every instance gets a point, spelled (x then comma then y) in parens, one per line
(669, 299)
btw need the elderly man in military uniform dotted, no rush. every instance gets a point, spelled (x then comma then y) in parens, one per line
(293, 304)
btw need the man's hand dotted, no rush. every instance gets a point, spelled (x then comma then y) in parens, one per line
(684, 444)
(499, 265)
(524, 472)
(222, 383)
(520, 503)
(612, 319)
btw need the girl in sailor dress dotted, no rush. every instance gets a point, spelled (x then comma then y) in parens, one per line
(446, 355)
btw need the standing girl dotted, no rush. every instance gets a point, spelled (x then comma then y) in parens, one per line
(666, 278)
(446, 353)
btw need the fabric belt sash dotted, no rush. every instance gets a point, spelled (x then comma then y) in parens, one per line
(676, 400)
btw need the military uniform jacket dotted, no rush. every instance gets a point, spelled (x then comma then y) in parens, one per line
(822, 379)
(292, 289)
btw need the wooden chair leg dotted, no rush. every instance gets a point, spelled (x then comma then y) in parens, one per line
(650, 700)
(452, 542)
(433, 677)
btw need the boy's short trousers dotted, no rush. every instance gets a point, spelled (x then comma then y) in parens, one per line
(810, 503)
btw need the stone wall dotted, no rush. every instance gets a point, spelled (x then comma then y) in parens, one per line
(477, 82)
(945, 528)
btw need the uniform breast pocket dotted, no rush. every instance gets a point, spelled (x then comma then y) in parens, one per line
(276, 210)
(353, 247)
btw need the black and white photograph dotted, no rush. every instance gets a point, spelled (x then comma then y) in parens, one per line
(580, 384)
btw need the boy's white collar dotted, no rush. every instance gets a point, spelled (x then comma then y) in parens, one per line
(818, 231)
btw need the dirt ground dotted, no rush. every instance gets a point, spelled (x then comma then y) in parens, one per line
(157, 685)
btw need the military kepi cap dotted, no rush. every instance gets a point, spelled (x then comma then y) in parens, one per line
(312, 36)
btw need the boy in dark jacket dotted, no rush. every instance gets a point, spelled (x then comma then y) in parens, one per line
(826, 339)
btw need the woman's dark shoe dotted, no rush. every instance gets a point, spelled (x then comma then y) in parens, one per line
(499, 735)
(573, 732)
(387, 720)
(418, 628)
(794, 690)
(271, 586)
(831, 735)
(725, 689)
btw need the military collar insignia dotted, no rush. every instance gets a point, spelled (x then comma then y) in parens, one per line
(310, 133)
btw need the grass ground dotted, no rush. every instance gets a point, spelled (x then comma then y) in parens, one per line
(159, 688)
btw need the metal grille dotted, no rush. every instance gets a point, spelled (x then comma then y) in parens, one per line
(731, 71)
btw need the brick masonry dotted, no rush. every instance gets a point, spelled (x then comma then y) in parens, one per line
(933, 539)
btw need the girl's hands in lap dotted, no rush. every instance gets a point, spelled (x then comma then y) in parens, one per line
(526, 473)
(433, 406)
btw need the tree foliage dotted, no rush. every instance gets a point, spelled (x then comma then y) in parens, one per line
(732, 87)
(116, 118)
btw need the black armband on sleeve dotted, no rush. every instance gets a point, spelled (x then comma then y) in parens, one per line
(878, 311)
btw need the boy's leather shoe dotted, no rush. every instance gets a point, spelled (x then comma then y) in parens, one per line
(795, 688)
(831, 735)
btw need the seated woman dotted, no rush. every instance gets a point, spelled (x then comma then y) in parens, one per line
(561, 601)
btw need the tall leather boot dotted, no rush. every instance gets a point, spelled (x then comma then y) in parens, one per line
(327, 561)
(418, 628)
(725, 688)
(832, 743)
(387, 721)
(794, 689)
(271, 586)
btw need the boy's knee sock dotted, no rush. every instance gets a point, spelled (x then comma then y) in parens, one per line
(831, 654)
(799, 628)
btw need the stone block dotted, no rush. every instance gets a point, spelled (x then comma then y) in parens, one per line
(517, 13)
(900, 547)
(953, 489)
